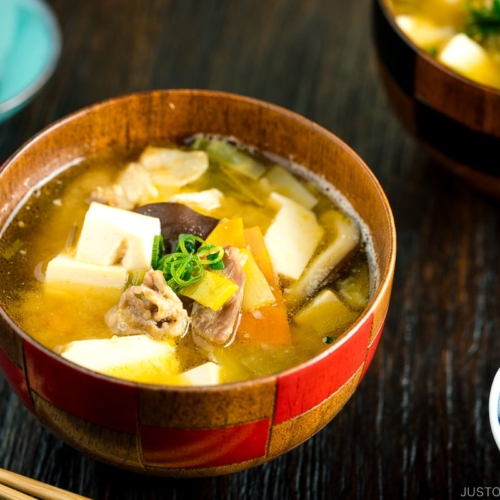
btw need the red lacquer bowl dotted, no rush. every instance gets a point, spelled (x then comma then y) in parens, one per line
(200, 431)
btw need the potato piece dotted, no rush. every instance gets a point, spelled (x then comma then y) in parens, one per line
(325, 314)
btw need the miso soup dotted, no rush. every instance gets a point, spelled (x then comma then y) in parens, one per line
(189, 264)
(463, 35)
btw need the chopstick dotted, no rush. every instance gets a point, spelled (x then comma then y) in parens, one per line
(16, 487)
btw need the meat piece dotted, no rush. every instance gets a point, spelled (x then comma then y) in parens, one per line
(176, 219)
(132, 186)
(219, 326)
(151, 308)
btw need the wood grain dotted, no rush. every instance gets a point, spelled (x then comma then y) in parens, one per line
(418, 425)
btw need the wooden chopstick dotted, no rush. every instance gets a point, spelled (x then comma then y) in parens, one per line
(16, 487)
(7, 493)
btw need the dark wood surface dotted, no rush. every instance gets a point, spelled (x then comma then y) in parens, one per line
(418, 425)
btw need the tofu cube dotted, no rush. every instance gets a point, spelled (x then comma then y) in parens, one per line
(207, 374)
(65, 269)
(467, 57)
(114, 236)
(422, 32)
(137, 357)
(292, 237)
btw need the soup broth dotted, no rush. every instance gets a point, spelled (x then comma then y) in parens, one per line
(463, 35)
(238, 188)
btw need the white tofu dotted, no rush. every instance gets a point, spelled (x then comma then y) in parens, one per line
(207, 200)
(207, 374)
(136, 357)
(292, 237)
(423, 32)
(65, 269)
(465, 56)
(111, 236)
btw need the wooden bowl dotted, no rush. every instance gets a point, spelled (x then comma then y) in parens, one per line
(456, 119)
(194, 431)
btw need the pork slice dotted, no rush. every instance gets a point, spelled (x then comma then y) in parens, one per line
(151, 308)
(219, 327)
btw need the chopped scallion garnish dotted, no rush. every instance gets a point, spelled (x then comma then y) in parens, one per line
(157, 250)
(484, 19)
(186, 264)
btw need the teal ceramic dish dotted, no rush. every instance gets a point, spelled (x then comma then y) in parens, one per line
(30, 44)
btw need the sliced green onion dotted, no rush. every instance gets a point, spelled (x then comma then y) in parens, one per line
(186, 265)
(329, 340)
(157, 250)
(210, 254)
(187, 243)
(217, 265)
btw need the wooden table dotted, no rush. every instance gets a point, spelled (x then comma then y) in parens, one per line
(418, 425)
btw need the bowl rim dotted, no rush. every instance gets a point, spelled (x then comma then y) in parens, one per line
(427, 57)
(31, 90)
(384, 281)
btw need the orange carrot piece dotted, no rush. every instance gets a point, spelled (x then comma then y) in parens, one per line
(270, 327)
(255, 242)
(269, 324)
(229, 232)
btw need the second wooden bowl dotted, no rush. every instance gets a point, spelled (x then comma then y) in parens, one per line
(456, 119)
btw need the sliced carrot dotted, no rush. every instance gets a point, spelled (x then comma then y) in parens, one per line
(269, 324)
(229, 232)
(255, 241)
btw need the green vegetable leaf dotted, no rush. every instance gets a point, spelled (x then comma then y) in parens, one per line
(484, 19)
